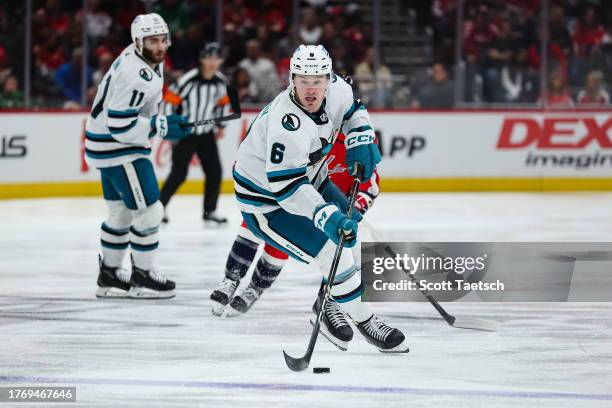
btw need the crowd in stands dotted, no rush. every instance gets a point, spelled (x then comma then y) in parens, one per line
(501, 48)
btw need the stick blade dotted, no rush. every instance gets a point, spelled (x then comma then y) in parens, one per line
(296, 364)
(476, 324)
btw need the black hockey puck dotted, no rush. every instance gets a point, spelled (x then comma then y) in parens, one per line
(320, 370)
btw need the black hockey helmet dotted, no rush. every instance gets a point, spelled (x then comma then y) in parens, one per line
(211, 49)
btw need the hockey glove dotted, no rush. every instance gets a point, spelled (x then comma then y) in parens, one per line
(168, 127)
(329, 219)
(361, 149)
(363, 202)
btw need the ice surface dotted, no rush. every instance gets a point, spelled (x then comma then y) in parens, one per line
(174, 353)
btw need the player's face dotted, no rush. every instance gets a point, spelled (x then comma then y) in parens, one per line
(310, 90)
(155, 47)
(211, 63)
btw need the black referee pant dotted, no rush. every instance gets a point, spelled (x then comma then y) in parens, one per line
(205, 146)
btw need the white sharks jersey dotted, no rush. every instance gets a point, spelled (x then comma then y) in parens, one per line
(281, 162)
(119, 126)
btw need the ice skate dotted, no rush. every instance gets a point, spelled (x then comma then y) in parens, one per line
(384, 337)
(112, 282)
(222, 295)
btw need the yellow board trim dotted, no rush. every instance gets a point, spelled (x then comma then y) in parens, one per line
(93, 188)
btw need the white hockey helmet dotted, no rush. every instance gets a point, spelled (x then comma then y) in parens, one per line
(147, 25)
(310, 60)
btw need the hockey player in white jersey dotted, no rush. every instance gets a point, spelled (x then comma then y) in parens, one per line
(123, 119)
(282, 188)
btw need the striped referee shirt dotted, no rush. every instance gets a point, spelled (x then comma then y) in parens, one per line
(199, 98)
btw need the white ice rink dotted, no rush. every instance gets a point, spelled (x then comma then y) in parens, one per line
(174, 353)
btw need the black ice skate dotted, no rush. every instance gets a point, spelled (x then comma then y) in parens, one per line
(212, 219)
(334, 325)
(384, 337)
(112, 282)
(242, 302)
(150, 285)
(222, 295)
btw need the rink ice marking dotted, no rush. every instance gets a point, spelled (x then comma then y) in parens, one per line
(432, 392)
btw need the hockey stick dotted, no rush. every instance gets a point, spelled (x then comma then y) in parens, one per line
(232, 94)
(472, 324)
(301, 363)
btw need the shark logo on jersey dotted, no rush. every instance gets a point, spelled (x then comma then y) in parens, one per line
(146, 74)
(291, 122)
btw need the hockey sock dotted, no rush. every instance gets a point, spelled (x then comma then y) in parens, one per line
(268, 267)
(348, 295)
(240, 258)
(114, 243)
(144, 246)
(346, 288)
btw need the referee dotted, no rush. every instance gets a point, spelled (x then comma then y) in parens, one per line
(199, 94)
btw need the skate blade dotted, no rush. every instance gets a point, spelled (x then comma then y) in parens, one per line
(476, 324)
(341, 345)
(400, 348)
(215, 224)
(217, 309)
(231, 312)
(111, 293)
(145, 293)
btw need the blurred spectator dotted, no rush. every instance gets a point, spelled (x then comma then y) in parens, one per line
(55, 18)
(127, 12)
(265, 82)
(176, 14)
(68, 77)
(439, 93)
(49, 55)
(607, 38)
(593, 92)
(589, 33)
(478, 33)
(237, 17)
(310, 31)
(5, 68)
(184, 51)
(557, 94)
(105, 61)
(373, 88)
(317, 3)
(11, 96)
(98, 22)
(342, 64)
(242, 82)
(517, 83)
(328, 35)
(559, 34)
(266, 42)
(499, 55)
(275, 18)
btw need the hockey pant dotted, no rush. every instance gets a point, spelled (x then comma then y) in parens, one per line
(134, 213)
(299, 238)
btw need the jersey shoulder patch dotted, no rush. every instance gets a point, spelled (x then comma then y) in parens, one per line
(291, 122)
(146, 73)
